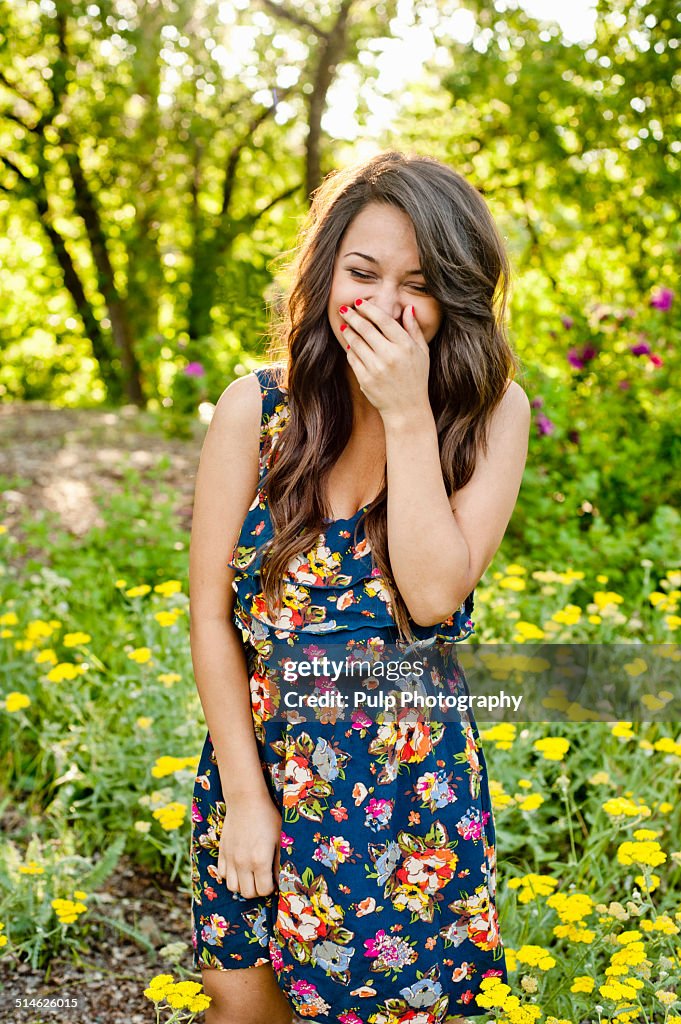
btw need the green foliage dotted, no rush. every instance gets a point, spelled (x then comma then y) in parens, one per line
(142, 209)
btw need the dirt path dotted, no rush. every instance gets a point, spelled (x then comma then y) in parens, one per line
(64, 457)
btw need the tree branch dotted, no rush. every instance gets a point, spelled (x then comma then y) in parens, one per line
(235, 152)
(13, 167)
(331, 51)
(15, 88)
(282, 11)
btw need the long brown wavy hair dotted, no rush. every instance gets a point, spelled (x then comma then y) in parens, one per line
(466, 268)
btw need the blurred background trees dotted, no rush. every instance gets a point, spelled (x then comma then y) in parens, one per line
(156, 155)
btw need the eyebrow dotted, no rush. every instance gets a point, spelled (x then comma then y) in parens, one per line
(372, 259)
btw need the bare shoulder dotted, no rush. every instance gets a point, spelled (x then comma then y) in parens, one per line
(240, 403)
(515, 401)
(226, 482)
(508, 429)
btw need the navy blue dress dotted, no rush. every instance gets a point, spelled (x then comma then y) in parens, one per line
(386, 910)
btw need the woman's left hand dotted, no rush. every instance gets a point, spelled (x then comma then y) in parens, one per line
(390, 362)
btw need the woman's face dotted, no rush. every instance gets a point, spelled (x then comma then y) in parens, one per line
(378, 259)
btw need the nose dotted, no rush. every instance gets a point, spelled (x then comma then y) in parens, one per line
(386, 295)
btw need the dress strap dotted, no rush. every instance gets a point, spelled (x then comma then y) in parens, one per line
(274, 412)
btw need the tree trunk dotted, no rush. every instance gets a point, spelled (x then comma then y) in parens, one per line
(121, 331)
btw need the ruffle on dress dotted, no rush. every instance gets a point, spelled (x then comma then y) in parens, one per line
(332, 588)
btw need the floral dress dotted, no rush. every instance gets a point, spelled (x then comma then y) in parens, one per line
(385, 911)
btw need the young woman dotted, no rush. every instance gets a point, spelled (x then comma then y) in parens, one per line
(345, 871)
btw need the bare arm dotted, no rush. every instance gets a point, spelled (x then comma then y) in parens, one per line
(438, 558)
(226, 482)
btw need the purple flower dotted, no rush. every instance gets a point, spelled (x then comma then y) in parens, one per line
(624, 385)
(641, 349)
(537, 402)
(194, 370)
(544, 424)
(662, 299)
(579, 358)
(567, 322)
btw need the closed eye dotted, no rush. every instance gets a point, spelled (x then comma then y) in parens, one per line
(367, 277)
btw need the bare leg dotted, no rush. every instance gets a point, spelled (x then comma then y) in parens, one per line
(247, 995)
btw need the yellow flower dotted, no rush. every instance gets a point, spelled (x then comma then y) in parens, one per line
(168, 618)
(619, 806)
(645, 833)
(532, 886)
(663, 923)
(603, 598)
(535, 956)
(582, 983)
(66, 671)
(649, 886)
(554, 748)
(574, 933)
(622, 729)
(38, 629)
(512, 583)
(502, 734)
(75, 639)
(531, 802)
(645, 852)
(141, 655)
(32, 868)
(572, 906)
(168, 588)
(494, 993)
(166, 765)
(143, 722)
(199, 1003)
(635, 668)
(67, 911)
(617, 990)
(171, 816)
(168, 678)
(666, 745)
(139, 591)
(9, 619)
(568, 616)
(47, 654)
(15, 701)
(528, 631)
(624, 938)
(158, 987)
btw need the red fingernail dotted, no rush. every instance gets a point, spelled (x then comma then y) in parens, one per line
(344, 327)
(347, 347)
(358, 302)
(413, 311)
(343, 309)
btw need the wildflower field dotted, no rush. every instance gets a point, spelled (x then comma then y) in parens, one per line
(102, 727)
(156, 159)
